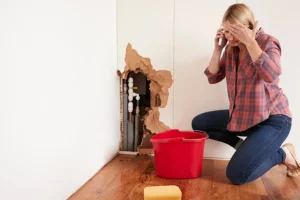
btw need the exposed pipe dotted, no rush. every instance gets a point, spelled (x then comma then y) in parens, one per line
(130, 132)
(130, 139)
(121, 113)
(136, 132)
(125, 117)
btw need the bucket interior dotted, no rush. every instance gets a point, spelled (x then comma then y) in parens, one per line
(175, 134)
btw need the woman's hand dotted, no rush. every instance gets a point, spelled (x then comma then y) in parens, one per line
(247, 37)
(243, 33)
(219, 36)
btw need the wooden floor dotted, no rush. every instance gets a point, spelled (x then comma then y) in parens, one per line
(125, 177)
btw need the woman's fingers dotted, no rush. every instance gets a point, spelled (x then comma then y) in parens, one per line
(235, 34)
(219, 36)
(220, 31)
(233, 27)
(239, 25)
(234, 31)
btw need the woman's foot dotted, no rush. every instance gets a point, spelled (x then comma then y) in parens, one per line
(291, 162)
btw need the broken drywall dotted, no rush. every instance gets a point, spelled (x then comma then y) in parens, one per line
(160, 82)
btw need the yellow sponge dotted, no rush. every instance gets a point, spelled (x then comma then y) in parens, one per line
(166, 192)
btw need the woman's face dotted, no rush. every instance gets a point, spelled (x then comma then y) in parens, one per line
(231, 39)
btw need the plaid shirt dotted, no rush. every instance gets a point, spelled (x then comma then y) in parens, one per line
(252, 87)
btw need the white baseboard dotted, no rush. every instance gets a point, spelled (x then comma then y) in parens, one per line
(215, 158)
(128, 153)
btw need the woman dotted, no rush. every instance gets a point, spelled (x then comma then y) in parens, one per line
(258, 109)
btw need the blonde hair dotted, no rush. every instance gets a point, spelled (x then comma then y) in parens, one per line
(239, 12)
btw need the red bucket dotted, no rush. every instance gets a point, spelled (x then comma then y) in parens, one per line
(179, 154)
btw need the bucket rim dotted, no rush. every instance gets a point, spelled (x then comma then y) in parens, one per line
(182, 139)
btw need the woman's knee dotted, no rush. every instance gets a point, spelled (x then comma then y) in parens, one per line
(235, 175)
(217, 118)
(200, 122)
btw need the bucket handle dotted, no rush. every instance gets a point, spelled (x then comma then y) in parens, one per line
(203, 132)
(182, 139)
(175, 139)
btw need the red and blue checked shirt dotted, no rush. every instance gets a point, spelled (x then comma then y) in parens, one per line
(252, 87)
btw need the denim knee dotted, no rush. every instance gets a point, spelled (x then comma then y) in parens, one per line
(235, 175)
(194, 123)
(198, 122)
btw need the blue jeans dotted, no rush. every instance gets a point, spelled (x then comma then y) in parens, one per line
(258, 153)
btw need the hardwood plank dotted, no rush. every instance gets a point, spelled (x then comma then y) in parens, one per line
(222, 188)
(192, 189)
(199, 188)
(181, 183)
(294, 182)
(102, 178)
(137, 192)
(254, 190)
(126, 176)
(208, 167)
(150, 178)
(277, 185)
(122, 185)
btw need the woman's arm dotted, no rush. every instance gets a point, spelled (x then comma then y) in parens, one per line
(215, 71)
(266, 63)
(214, 64)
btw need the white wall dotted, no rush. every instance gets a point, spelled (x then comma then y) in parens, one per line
(183, 30)
(148, 26)
(58, 95)
(196, 24)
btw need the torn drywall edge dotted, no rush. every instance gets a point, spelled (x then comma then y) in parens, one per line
(160, 82)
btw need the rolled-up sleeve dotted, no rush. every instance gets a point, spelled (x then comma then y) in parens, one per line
(268, 63)
(220, 75)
